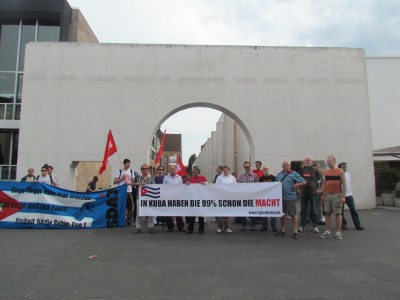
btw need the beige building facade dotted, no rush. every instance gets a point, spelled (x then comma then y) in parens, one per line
(312, 101)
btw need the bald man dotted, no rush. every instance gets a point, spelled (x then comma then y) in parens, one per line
(291, 180)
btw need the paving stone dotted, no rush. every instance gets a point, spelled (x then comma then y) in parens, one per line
(55, 264)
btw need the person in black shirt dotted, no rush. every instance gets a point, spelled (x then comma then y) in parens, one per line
(264, 221)
(91, 188)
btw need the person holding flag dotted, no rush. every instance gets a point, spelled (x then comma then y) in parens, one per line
(125, 176)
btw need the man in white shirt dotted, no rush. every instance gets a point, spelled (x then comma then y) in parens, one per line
(173, 178)
(225, 178)
(126, 176)
(349, 201)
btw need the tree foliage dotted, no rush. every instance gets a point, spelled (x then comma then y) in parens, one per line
(191, 161)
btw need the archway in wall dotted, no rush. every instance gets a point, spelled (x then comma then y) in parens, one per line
(229, 142)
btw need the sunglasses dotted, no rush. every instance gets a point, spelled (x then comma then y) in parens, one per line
(145, 168)
(44, 170)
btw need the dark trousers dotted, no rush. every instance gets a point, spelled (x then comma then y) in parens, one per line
(190, 221)
(252, 222)
(353, 212)
(134, 197)
(305, 200)
(179, 223)
(264, 223)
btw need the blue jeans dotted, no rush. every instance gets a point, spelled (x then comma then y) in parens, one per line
(312, 199)
(353, 212)
(264, 223)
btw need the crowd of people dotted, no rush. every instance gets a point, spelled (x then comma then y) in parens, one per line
(321, 195)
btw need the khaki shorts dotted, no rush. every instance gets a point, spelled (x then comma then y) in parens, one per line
(333, 203)
(289, 207)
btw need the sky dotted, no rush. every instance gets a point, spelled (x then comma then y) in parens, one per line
(373, 25)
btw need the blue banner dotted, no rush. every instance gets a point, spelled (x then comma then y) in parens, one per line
(37, 205)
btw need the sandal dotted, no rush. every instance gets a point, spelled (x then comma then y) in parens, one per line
(280, 233)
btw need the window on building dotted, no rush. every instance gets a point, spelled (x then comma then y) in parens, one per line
(48, 31)
(8, 154)
(9, 37)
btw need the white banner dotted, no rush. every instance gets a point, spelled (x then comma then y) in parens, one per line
(263, 199)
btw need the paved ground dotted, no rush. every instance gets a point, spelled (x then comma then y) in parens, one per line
(55, 264)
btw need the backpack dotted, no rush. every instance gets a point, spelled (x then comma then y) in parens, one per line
(120, 173)
(51, 179)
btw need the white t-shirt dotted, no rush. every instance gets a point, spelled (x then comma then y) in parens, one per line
(348, 187)
(128, 178)
(225, 179)
(172, 180)
(44, 179)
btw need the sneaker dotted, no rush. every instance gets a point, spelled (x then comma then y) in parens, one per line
(325, 235)
(315, 230)
(295, 236)
(338, 236)
(136, 231)
(301, 229)
(228, 230)
(359, 227)
(151, 231)
(280, 233)
(219, 230)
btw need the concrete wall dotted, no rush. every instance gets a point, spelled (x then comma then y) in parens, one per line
(289, 102)
(384, 97)
(79, 29)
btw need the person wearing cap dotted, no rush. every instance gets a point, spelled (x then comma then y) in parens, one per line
(91, 188)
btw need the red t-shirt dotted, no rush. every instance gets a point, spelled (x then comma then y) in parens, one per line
(259, 172)
(199, 179)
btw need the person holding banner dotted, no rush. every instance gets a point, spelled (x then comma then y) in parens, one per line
(144, 179)
(267, 177)
(248, 177)
(45, 177)
(225, 178)
(196, 178)
(125, 176)
(290, 180)
(173, 178)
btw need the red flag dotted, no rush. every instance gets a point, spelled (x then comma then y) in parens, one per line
(111, 148)
(180, 168)
(158, 157)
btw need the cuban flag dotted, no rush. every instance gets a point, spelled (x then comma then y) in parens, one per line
(148, 191)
